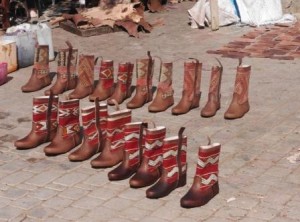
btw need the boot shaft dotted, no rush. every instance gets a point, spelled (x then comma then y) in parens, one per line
(215, 80)
(125, 76)
(165, 80)
(207, 165)
(86, 70)
(41, 60)
(106, 75)
(144, 72)
(241, 86)
(192, 77)
(68, 117)
(67, 62)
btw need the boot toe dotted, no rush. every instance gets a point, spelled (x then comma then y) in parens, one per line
(187, 203)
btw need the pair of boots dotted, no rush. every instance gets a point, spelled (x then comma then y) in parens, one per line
(53, 121)
(239, 105)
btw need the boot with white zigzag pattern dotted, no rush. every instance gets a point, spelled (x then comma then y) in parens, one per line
(205, 185)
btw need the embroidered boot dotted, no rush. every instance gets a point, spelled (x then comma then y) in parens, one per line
(133, 151)
(40, 73)
(191, 88)
(85, 85)
(66, 71)
(105, 86)
(94, 131)
(44, 123)
(164, 97)
(149, 170)
(123, 88)
(239, 105)
(143, 92)
(173, 167)
(205, 185)
(68, 134)
(112, 153)
(213, 103)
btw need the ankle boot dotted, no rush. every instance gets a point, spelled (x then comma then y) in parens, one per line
(94, 131)
(173, 167)
(123, 88)
(105, 86)
(239, 105)
(150, 168)
(164, 96)
(143, 93)
(40, 74)
(66, 71)
(133, 150)
(213, 103)
(68, 134)
(191, 88)
(44, 123)
(112, 153)
(85, 85)
(205, 185)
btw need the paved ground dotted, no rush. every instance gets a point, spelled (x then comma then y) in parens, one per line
(257, 182)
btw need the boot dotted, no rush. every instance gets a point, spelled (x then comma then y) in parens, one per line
(66, 76)
(85, 86)
(123, 88)
(174, 167)
(213, 103)
(68, 134)
(133, 150)
(164, 97)
(239, 105)
(44, 123)
(40, 73)
(94, 131)
(112, 153)
(143, 92)
(205, 185)
(191, 88)
(105, 86)
(149, 170)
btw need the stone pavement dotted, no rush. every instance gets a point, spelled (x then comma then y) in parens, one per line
(257, 182)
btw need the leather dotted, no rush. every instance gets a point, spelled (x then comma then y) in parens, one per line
(40, 74)
(239, 105)
(140, 98)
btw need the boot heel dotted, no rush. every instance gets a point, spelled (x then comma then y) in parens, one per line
(196, 101)
(182, 180)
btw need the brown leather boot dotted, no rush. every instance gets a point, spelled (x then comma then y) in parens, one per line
(191, 88)
(164, 96)
(173, 167)
(105, 86)
(85, 85)
(205, 185)
(143, 93)
(40, 73)
(113, 149)
(213, 103)
(133, 150)
(44, 123)
(239, 105)
(149, 170)
(94, 131)
(68, 134)
(123, 88)
(66, 71)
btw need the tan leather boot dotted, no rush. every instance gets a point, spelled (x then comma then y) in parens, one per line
(94, 132)
(123, 88)
(44, 123)
(191, 88)
(66, 71)
(205, 185)
(150, 168)
(113, 149)
(85, 85)
(68, 134)
(143, 93)
(105, 86)
(164, 96)
(213, 103)
(40, 74)
(239, 105)
(174, 167)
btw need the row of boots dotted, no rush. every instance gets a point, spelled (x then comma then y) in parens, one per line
(83, 83)
(145, 155)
